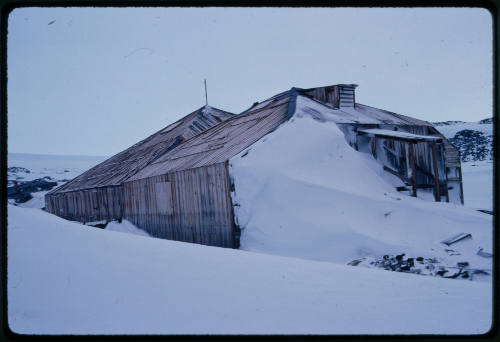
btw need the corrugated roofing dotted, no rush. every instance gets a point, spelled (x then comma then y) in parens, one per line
(123, 165)
(200, 139)
(224, 141)
(364, 114)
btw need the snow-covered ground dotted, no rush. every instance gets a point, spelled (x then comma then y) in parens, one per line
(451, 128)
(308, 205)
(477, 178)
(67, 278)
(302, 191)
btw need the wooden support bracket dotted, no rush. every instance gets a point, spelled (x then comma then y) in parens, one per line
(437, 193)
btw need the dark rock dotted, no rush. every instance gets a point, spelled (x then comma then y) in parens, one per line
(447, 123)
(455, 275)
(17, 169)
(441, 272)
(486, 121)
(22, 192)
(473, 145)
(462, 264)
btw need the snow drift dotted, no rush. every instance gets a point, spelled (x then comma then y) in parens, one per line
(67, 278)
(302, 191)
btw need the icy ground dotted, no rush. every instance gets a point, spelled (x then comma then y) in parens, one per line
(67, 278)
(302, 191)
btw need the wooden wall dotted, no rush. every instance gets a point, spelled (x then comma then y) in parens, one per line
(386, 149)
(325, 94)
(192, 205)
(88, 205)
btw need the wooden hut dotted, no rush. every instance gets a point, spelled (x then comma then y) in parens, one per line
(409, 148)
(97, 195)
(184, 193)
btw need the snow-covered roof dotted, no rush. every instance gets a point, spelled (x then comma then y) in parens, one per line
(399, 135)
(209, 135)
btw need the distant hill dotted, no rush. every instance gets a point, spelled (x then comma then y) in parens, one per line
(473, 139)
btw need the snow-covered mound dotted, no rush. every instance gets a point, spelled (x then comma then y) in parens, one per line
(302, 191)
(125, 227)
(67, 278)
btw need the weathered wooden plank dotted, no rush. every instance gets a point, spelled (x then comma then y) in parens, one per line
(437, 193)
(413, 171)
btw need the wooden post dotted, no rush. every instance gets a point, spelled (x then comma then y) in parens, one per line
(413, 170)
(206, 96)
(374, 147)
(436, 173)
(461, 186)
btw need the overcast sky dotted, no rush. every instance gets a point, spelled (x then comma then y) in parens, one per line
(94, 81)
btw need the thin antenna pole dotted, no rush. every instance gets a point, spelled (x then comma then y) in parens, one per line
(206, 96)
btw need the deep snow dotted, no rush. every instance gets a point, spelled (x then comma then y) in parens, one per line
(302, 191)
(304, 197)
(67, 278)
(477, 178)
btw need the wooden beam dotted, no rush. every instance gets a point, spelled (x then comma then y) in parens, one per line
(413, 171)
(437, 193)
(461, 186)
(374, 147)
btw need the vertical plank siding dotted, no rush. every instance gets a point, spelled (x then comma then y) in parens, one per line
(190, 205)
(394, 154)
(87, 205)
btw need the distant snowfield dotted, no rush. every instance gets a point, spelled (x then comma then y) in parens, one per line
(449, 131)
(67, 278)
(477, 178)
(54, 166)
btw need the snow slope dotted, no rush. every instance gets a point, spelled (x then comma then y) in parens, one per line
(67, 278)
(302, 191)
(477, 178)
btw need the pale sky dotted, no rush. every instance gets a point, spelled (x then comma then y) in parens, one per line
(94, 81)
